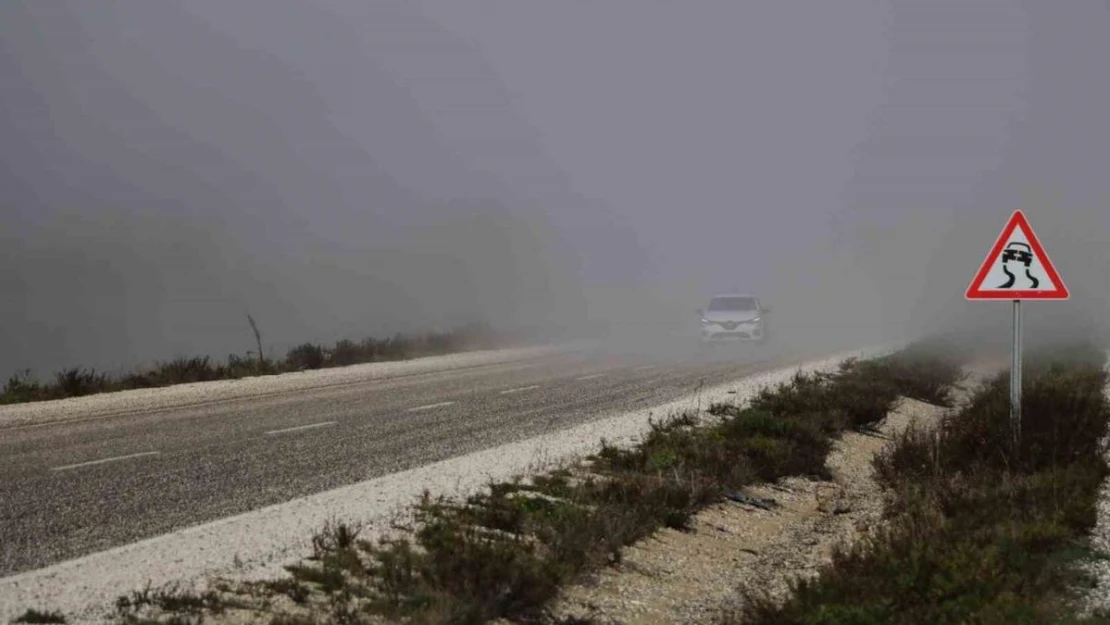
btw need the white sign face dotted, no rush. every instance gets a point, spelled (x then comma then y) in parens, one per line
(1017, 268)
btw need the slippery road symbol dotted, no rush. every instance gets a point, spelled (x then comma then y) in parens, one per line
(1019, 253)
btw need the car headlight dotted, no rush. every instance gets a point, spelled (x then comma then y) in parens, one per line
(704, 322)
(757, 320)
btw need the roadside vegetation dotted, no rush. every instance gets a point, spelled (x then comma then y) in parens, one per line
(77, 382)
(979, 531)
(34, 617)
(505, 552)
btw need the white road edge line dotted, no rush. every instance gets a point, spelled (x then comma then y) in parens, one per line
(431, 406)
(591, 377)
(105, 460)
(521, 389)
(302, 427)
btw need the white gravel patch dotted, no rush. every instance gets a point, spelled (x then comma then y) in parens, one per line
(145, 400)
(1097, 599)
(257, 544)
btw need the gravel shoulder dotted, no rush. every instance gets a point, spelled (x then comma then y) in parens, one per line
(1096, 601)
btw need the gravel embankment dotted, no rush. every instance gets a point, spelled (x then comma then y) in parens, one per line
(1097, 599)
(257, 544)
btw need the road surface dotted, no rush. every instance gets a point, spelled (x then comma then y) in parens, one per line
(74, 487)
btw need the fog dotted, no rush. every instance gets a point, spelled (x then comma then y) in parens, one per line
(344, 168)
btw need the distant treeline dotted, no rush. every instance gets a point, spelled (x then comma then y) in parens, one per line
(78, 381)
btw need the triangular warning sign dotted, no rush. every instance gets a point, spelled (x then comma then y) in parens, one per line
(1017, 268)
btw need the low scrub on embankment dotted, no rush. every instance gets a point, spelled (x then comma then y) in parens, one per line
(506, 551)
(78, 382)
(980, 531)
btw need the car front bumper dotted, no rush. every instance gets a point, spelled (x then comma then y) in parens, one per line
(741, 333)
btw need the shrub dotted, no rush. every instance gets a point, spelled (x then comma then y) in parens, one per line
(77, 382)
(39, 617)
(1064, 417)
(860, 394)
(344, 353)
(177, 371)
(22, 388)
(306, 356)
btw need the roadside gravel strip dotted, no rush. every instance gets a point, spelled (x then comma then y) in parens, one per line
(257, 544)
(1097, 599)
(198, 393)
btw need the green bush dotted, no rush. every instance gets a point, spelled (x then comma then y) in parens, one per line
(77, 382)
(306, 356)
(1064, 417)
(177, 371)
(38, 617)
(22, 388)
(344, 353)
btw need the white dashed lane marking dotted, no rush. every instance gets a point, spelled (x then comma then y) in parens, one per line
(441, 404)
(645, 368)
(520, 390)
(104, 461)
(592, 377)
(310, 426)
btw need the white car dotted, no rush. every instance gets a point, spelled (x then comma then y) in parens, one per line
(734, 317)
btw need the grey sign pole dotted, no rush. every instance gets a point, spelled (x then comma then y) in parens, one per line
(1015, 376)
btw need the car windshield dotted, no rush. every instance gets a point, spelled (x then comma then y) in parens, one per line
(732, 303)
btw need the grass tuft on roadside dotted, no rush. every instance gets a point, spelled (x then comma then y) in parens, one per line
(36, 617)
(183, 606)
(979, 531)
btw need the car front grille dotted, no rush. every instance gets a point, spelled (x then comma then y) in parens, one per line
(732, 325)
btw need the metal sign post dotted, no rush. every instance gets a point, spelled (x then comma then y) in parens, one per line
(1015, 377)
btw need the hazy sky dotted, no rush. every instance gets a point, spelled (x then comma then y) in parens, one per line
(346, 167)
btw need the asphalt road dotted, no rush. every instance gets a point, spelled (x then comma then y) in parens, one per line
(73, 488)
